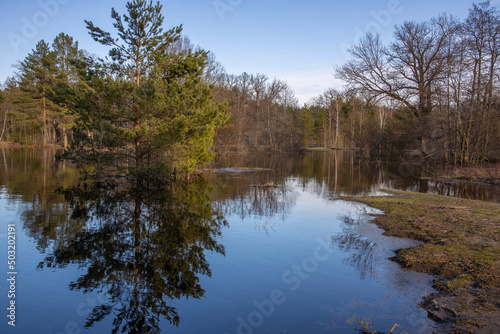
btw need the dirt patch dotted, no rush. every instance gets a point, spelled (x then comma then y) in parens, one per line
(460, 247)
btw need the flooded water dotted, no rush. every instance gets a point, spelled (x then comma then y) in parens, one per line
(259, 245)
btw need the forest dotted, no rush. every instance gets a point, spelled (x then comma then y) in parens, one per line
(158, 103)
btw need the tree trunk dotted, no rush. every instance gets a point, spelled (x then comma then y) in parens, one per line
(65, 138)
(3, 128)
(44, 130)
(138, 151)
(487, 116)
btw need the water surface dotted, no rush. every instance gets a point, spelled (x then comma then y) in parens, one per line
(224, 254)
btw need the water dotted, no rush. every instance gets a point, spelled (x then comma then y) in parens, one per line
(224, 254)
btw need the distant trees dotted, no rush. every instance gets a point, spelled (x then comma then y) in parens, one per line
(29, 114)
(343, 120)
(37, 73)
(262, 113)
(443, 71)
(476, 80)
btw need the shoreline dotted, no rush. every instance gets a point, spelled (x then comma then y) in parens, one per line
(460, 247)
(488, 173)
(6, 144)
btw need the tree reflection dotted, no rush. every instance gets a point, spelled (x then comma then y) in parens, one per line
(260, 202)
(361, 251)
(143, 246)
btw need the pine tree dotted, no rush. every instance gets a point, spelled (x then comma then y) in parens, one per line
(145, 110)
(43, 75)
(66, 53)
(66, 75)
(36, 74)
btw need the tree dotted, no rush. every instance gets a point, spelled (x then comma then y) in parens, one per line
(67, 55)
(40, 77)
(3, 110)
(36, 74)
(331, 101)
(408, 71)
(142, 43)
(481, 30)
(146, 109)
(305, 126)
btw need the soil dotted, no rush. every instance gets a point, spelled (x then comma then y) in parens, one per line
(460, 247)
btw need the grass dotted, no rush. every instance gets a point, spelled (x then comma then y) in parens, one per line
(460, 246)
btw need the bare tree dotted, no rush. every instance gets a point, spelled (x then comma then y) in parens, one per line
(408, 69)
(482, 35)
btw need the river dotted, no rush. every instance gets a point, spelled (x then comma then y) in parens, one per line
(260, 244)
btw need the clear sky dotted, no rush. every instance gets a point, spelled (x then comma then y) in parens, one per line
(296, 41)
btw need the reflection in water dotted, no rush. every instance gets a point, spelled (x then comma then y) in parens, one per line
(367, 250)
(325, 173)
(32, 176)
(145, 249)
(333, 173)
(142, 246)
(360, 250)
(252, 200)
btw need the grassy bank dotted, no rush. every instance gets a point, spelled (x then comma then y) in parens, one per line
(460, 246)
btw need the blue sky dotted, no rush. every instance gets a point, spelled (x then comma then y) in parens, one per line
(296, 41)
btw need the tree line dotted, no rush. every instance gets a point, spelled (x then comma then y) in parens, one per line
(157, 100)
(144, 111)
(444, 74)
(435, 89)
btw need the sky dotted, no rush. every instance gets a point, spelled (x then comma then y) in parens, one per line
(299, 42)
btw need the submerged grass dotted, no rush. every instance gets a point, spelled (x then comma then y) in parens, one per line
(460, 246)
